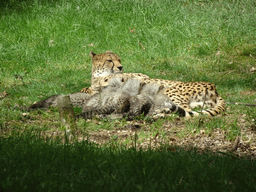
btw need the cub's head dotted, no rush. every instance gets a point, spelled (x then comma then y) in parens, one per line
(105, 64)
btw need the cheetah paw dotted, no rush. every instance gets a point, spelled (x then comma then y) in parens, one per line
(87, 90)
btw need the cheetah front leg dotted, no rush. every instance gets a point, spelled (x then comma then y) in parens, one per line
(89, 91)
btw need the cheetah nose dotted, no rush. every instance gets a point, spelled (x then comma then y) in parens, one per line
(120, 68)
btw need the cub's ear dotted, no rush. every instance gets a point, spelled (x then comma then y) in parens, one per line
(110, 52)
(92, 54)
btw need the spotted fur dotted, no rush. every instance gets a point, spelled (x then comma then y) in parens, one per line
(130, 99)
(176, 94)
(185, 95)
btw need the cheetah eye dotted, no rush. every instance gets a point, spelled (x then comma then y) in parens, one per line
(110, 60)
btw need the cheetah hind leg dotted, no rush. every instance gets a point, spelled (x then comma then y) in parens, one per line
(77, 100)
(176, 109)
(210, 107)
(168, 109)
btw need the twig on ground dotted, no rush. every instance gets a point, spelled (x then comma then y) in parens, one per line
(234, 148)
(248, 104)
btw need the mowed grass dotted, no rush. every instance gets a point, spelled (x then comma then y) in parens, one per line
(44, 50)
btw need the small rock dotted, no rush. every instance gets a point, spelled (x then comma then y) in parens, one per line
(253, 69)
(25, 114)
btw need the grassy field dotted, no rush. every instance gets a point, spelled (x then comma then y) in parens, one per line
(44, 50)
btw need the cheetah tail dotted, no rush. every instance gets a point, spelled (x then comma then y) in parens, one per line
(218, 108)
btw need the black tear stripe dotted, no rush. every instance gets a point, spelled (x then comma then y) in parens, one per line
(112, 68)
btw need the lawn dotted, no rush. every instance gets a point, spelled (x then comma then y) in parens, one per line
(44, 50)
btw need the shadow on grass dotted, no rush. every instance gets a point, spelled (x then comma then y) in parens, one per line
(7, 6)
(29, 162)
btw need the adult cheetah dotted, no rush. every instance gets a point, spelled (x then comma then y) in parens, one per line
(106, 66)
(186, 95)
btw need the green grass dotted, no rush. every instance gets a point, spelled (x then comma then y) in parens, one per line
(44, 50)
(48, 165)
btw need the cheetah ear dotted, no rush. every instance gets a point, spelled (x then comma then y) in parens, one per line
(108, 51)
(92, 54)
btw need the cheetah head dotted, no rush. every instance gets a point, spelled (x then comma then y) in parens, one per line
(105, 64)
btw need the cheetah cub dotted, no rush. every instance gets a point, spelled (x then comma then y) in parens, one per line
(114, 98)
(130, 99)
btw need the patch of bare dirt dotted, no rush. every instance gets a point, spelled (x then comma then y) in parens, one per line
(215, 141)
(146, 135)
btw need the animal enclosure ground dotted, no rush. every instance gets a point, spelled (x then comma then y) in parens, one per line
(44, 50)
